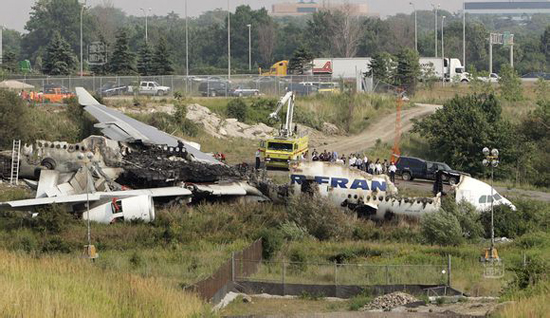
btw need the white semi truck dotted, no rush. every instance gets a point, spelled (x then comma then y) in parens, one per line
(450, 69)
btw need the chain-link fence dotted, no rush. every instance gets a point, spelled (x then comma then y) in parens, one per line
(348, 274)
(204, 85)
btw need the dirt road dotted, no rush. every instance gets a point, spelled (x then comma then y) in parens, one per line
(383, 129)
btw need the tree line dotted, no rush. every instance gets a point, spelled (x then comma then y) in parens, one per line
(336, 33)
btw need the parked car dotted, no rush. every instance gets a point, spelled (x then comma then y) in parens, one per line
(240, 92)
(152, 88)
(410, 168)
(213, 88)
(536, 75)
(112, 88)
(493, 78)
(301, 89)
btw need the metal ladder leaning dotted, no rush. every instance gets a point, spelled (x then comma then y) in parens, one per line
(15, 156)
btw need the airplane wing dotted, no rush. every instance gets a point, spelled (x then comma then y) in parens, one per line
(120, 127)
(94, 197)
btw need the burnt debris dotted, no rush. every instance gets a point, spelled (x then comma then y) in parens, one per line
(159, 166)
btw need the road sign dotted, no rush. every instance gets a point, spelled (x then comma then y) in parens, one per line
(97, 53)
(508, 39)
(496, 38)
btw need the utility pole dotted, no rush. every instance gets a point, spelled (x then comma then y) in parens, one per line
(490, 54)
(249, 47)
(81, 42)
(464, 35)
(435, 27)
(228, 42)
(145, 13)
(1, 53)
(415, 28)
(186, 44)
(443, 48)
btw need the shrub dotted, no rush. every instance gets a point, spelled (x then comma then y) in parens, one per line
(441, 228)
(466, 215)
(298, 260)
(272, 240)
(14, 121)
(530, 216)
(293, 232)
(528, 275)
(236, 108)
(319, 216)
(52, 219)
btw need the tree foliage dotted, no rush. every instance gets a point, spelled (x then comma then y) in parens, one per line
(161, 62)
(408, 70)
(383, 67)
(14, 119)
(59, 59)
(123, 60)
(145, 60)
(458, 131)
(300, 61)
(441, 228)
(510, 84)
(236, 108)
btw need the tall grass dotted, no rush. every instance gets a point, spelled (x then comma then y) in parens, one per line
(69, 287)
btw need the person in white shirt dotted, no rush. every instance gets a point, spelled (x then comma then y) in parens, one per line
(352, 161)
(371, 167)
(365, 162)
(392, 169)
(358, 162)
(378, 167)
(258, 156)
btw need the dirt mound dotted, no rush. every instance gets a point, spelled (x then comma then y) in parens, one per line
(222, 128)
(389, 301)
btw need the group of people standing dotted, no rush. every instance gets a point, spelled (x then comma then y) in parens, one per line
(361, 162)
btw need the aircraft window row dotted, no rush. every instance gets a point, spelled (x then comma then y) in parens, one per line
(488, 198)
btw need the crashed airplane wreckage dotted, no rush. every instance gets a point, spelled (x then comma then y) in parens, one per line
(372, 196)
(162, 168)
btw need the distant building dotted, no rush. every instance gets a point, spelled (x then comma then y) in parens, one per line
(303, 8)
(509, 8)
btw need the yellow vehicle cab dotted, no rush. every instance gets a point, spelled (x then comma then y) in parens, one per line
(328, 87)
(278, 152)
(278, 69)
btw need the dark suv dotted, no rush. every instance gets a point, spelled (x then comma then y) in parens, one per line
(213, 88)
(410, 168)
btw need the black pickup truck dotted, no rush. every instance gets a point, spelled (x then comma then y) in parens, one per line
(410, 168)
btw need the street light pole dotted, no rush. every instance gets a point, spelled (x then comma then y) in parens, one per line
(249, 47)
(228, 42)
(491, 159)
(81, 42)
(186, 48)
(415, 28)
(146, 16)
(443, 48)
(435, 27)
(464, 35)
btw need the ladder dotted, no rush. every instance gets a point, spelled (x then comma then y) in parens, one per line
(15, 156)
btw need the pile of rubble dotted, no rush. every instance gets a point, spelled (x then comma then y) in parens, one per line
(221, 128)
(389, 301)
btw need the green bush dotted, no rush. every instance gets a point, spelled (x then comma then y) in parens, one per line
(293, 232)
(236, 108)
(298, 259)
(14, 120)
(272, 241)
(359, 301)
(530, 216)
(441, 228)
(534, 271)
(319, 216)
(466, 215)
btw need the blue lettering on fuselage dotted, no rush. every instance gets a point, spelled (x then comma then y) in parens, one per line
(342, 183)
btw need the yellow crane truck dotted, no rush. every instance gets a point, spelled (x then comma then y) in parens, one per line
(286, 145)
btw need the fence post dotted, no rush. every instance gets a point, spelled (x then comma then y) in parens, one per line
(284, 273)
(335, 273)
(449, 270)
(387, 275)
(233, 266)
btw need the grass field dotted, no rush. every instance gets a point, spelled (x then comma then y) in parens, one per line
(65, 286)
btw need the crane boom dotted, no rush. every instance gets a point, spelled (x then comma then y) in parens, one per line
(288, 99)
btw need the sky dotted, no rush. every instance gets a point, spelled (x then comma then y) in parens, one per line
(15, 13)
